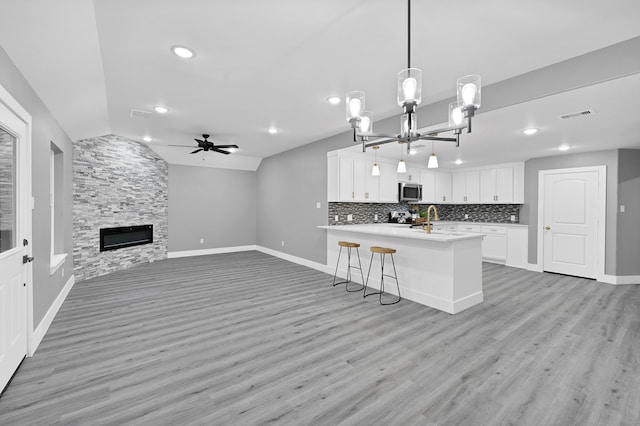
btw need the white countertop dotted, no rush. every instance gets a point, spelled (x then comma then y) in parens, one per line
(466, 222)
(402, 231)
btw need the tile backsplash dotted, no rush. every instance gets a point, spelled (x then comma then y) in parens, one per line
(365, 212)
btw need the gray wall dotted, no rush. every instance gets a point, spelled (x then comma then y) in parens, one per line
(218, 205)
(628, 232)
(290, 183)
(45, 130)
(116, 182)
(529, 212)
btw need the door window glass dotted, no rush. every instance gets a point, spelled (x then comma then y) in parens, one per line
(8, 214)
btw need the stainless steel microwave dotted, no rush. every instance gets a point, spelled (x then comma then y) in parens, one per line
(411, 192)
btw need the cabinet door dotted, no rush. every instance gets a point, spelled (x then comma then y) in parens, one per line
(428, 181)
(504, 185)
(443, 187)
(472, 182)
(488, 186)
(388, 186)
(458, 190)
(346, 179)
(333, 179)
(373, 183)
(360, 179)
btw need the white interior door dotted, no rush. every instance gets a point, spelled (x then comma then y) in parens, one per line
(570, 224)
(13, 229)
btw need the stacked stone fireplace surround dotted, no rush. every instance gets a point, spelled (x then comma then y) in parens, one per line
(116, 182)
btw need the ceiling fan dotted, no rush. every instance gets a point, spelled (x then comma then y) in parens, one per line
(205, 145)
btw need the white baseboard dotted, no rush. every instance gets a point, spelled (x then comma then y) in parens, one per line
(620, 279)
(204, 252)
(534, 267)
(43, 327)
(295, 259)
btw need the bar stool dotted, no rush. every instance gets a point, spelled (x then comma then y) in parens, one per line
(349, 246)
(383, 252)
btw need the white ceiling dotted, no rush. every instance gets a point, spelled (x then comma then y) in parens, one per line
(273, 63)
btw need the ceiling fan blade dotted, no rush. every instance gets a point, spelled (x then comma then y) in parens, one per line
(199, 141)
(197, 150)
(227, 146)
(220, 151)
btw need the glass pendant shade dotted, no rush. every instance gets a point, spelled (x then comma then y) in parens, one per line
(402, 167)
(433, 161)
(469, 90)
(410, 86)
(456, 116)
(375, 171)
(355, 105)
(366, 122)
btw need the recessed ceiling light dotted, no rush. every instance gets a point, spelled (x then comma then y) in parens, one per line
(160, 109)
(564, 147)
(272, 130)
(334, 100)
(458, 161)
(413, 151)
(147, 138)
(531, 131)
(183, 52)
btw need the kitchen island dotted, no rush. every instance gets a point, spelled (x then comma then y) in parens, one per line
(442, 270)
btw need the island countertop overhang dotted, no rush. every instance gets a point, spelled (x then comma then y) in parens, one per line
(402, 231)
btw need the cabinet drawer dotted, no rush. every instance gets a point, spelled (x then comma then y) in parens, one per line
(494, 230)
(469, 228)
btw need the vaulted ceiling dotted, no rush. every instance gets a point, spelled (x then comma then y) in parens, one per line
(274, 63)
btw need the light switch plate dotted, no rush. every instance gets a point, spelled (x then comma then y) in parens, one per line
(513, 218)
(318, 205)
(336, 218)
(621, 208)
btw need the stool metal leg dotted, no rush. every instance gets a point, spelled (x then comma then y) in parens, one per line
(364, 293)
(349, 273)
(337, 264)
(394, 276)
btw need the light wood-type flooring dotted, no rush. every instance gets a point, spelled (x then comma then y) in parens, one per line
(247, 338)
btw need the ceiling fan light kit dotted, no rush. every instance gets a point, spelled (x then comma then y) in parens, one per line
(409, 88)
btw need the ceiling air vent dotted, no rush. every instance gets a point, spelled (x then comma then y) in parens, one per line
(138, 113)
(578, 114)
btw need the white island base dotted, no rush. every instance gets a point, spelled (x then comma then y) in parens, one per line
(443, 271)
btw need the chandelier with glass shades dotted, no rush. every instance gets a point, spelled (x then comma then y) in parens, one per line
(409, 97)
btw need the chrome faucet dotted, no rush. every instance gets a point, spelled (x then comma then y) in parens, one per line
(435, 217)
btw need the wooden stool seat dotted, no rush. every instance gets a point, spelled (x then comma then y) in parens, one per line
(348, 244)
(382, 250)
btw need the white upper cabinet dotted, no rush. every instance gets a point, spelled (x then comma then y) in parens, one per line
(372, 189)
(346, 192)
(502, 184)
(388, 186)
(465, 187)
(428, 181)
(443, 187)
(333, 178)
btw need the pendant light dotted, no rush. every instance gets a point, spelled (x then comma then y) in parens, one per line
(433, 160)
(375, 171)
(402, 167)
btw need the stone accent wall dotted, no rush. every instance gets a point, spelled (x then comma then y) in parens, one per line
(116, 182)
(365, 212)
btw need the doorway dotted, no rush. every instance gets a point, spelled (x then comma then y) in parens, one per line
(571, 219)
(15, 234)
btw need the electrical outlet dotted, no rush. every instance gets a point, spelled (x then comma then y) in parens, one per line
(513, 218)
(349, 217)
(466, 216)
(621, 208)
(375, 217)
(201, 240)
(336, 218)
(283, 244)
(318, 205)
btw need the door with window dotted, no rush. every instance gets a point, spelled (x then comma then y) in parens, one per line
(14, 225)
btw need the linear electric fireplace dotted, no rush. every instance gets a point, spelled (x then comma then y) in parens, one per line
(125, 236)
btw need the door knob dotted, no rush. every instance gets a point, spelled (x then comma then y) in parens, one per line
(547, 228)
(27, 259)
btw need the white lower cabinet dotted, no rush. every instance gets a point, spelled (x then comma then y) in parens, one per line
(517, 247)
(494, 244)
